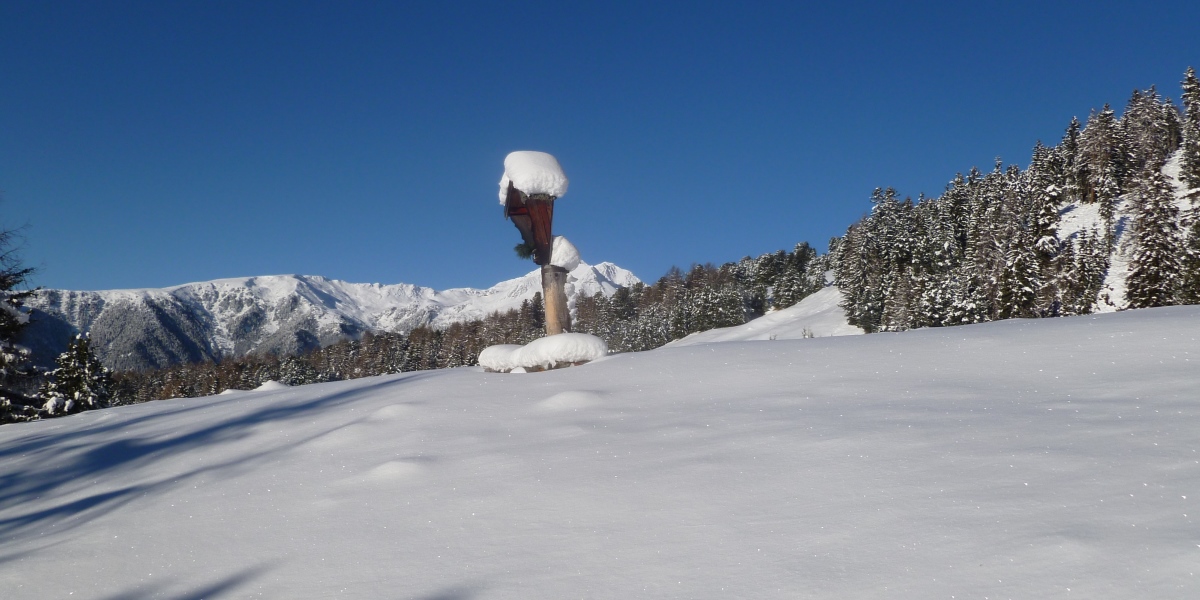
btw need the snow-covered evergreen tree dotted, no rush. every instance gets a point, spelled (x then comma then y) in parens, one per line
(1189, 281)
(1189, 175)
(1154, 273)
(1020, 282)
(78, 383)
(1099, 167)
(1092, 262)
(1151, 128)
(16, 376)
(1070, 152)
(791, 284)
(1190, 161)
(294, 371)
(1047, 201)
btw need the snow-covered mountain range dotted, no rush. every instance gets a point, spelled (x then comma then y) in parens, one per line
(150, 328)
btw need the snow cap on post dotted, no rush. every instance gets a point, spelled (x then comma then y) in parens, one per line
(564, 254)
(533, 173)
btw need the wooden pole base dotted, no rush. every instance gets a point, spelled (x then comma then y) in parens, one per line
(554, 295)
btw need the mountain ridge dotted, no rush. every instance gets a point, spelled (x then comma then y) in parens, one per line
(146, 328)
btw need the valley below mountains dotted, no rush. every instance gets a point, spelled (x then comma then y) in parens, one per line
(283, 314)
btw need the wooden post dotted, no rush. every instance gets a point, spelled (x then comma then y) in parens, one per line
(534, 215)
(554, 297)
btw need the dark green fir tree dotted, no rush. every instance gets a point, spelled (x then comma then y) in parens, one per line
(1190, 164)
(79, 383)
(17, 379)
(1154, 273)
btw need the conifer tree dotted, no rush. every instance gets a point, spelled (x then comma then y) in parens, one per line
(1189, 283)
(1190, 171)
(1150, 127)
(16, 376)
(1047, 197)
(1070, 152)
(79, 383)
(1101, 155)
(1093, 262)
(294, 370)
(1019, 284)
(1154, 274)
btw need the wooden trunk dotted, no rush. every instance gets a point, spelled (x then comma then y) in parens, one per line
(554, 295)
(533, 216)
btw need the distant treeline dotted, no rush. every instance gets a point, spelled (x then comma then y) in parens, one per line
(640, 317)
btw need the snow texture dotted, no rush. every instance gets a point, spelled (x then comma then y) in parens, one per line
(533, 173)
(564, 254)
(544, 353)
(270, 386)
(1049, 458)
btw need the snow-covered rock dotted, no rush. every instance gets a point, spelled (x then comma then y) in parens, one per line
(533, 173)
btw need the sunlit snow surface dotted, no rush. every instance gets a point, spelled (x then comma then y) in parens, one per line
(1021, 459)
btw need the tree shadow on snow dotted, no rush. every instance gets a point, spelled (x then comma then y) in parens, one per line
(213, 590)
(93, 453)
(458, 593)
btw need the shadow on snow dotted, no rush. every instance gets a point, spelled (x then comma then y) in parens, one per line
(40, 481)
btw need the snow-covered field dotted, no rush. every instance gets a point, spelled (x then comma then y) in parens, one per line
(1018, 459)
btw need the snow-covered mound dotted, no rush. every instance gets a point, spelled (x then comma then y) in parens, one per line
(817, 315)
(1019, 459)
(544, 353)
(533, 173)
(271, 386)
(284, 314)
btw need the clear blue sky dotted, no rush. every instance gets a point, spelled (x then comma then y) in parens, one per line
(148, 144)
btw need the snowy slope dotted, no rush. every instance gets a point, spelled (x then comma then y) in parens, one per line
(817, 315)
(1077, 218)
(135, 329)
(1054, 458)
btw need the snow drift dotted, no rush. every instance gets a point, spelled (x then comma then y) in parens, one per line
(1016, 459)
(544, 353)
